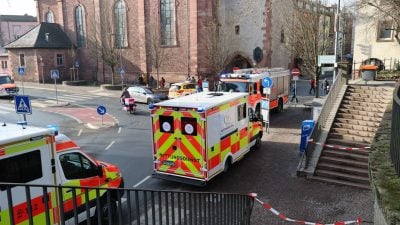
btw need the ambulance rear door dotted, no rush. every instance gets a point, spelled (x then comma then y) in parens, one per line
(27, 162)
(179, 142)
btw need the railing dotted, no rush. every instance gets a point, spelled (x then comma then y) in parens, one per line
(395, 138)
(325, 111)
(120, 206)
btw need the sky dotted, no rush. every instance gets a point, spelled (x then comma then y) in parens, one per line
(18, 7)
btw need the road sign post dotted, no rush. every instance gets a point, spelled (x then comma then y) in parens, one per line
(55, 74)
(101, 110)
(21, 72)
(122, 73)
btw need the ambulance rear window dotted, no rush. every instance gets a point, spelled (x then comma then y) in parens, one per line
(21, 168)
(189, 126)
(166, 124)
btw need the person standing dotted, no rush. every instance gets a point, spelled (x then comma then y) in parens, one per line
(325, 86)
(162, 83)
(312, 86)
(151, 81)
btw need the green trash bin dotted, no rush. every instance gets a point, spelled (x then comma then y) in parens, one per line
(368, 72)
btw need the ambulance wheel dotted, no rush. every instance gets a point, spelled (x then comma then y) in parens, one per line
(257, 145)
(104, 210)
(228, 164)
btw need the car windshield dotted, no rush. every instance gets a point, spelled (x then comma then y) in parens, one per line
(5, 80)
(148, 91)
(233, 87)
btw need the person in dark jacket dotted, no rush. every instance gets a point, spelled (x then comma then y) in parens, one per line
(125, 94)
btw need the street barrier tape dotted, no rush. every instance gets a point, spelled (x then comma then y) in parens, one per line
(337, 146)
(283, 217)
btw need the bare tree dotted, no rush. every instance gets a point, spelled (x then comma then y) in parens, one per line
(307, 36)
(104, 42)
(385, 9)
(156, 52)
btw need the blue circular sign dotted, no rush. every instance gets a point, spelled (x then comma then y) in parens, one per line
(101, 110)
(267, 82)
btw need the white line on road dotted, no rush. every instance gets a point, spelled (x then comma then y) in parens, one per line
(141, 182)
(109, 146)
(80, 132)
(119, 130)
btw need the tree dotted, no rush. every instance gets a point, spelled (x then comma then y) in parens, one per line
(307, 37)
(156, 52)
(385, 9)
(103, 42)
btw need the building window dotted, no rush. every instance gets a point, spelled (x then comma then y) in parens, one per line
(80, 26)
(282, 35)
(60, 59)
(385, 30)
(4, 64)
(21, 59)
(237, 29)
(167, 22)
(121, 39)
(49, 17)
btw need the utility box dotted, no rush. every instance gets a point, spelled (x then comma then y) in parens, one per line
(368, 72)
(307, 127)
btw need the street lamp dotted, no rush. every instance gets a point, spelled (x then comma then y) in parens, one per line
(41, 66)
(337, 27)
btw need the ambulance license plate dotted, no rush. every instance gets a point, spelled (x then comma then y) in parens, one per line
(168, 163)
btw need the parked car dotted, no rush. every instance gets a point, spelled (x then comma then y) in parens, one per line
(145, 95)
(181, 89)
(7, 86)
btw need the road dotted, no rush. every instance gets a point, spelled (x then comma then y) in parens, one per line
(270, 171)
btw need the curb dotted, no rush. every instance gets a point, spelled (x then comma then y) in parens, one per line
(98, 125)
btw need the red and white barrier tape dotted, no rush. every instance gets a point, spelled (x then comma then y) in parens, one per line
(283, 217)
(337, 146)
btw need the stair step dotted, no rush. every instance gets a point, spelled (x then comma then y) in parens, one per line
(350, 137)
(346, 143)
(345, 162)
(344, 169)
(357, 122)
(355, 127)
(360, 112)
(345, 155)
(358, 117)
(369, 95)
(340, 182)
(353, 132)
(371, 88)
(370, 100)
(342, 176)
(362, 108)
(365, 104)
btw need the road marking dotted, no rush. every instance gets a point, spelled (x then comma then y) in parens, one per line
(80, 132)
(109, 146)
(119, 130)
(141, 182)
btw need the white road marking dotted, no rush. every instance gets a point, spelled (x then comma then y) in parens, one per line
(80, 132)
(141, 182)
(109, 146)
(119, 130)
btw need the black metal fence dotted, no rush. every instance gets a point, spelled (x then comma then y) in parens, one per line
(395, 138)
(122, 206)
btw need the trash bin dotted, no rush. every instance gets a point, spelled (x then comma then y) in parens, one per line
(368, 72)
(307, 127)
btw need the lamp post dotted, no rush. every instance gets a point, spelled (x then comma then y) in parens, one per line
(337, 27)
(41, 68)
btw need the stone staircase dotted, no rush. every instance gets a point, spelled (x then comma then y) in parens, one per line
(344, 158)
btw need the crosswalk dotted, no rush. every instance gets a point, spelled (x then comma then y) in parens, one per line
(6, 109)
(73, 97)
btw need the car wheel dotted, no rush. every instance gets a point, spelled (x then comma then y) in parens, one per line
(257, 145)
(150, 101)
(228, 164)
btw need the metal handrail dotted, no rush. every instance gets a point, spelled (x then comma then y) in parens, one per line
(395, 130)
(127, 206)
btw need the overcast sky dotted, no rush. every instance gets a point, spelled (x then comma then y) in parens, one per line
(20, 7)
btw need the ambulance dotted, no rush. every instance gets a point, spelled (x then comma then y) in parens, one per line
(36, 156)
(250, 81)
(199, 136)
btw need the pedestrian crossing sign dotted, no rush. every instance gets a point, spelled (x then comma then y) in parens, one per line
(22, 104)
(21, 70)
(54, 74)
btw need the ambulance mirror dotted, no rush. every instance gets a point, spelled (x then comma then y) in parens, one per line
(100, 170)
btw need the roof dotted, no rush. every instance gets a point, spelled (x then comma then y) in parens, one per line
(36, 38)
(18, 18)
(13, 133)
(206, 100)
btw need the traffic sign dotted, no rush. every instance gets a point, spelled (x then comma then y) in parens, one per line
(54, 74)
(76, 64)
(295, 72)
(267, 82)
(22, 104)
(21, 70)
(121, 70)
(101, 110)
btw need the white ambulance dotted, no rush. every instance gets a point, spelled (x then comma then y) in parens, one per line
(34, 156)
(198, 136)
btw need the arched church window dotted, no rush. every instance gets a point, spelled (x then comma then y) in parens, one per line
(49, 17)
(80, 26)
(167, 20)
(120, 24)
